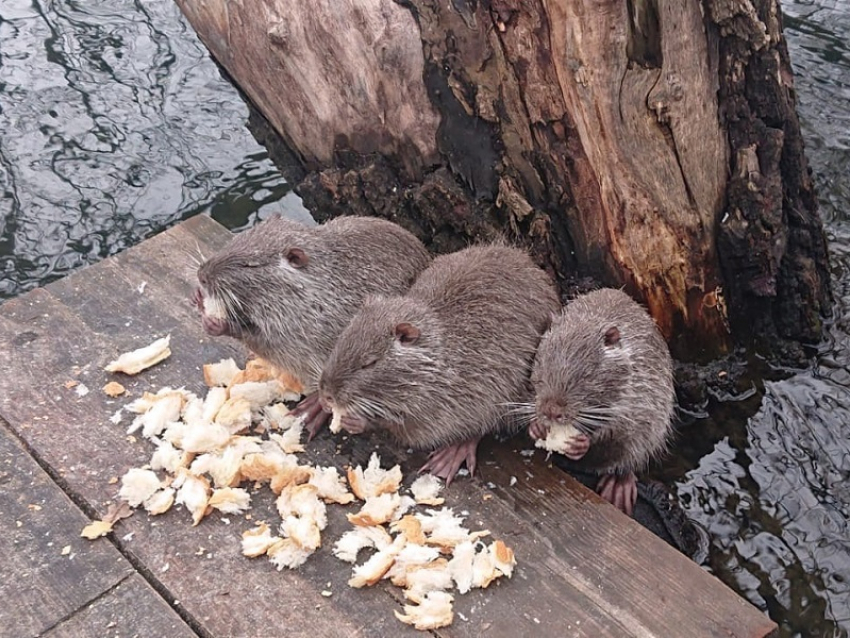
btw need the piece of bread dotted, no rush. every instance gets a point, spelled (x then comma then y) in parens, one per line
(433, 612)
(373, 481)
(141, 359)
(138, 485)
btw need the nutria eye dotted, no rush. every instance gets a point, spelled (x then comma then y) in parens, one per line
(370, 363)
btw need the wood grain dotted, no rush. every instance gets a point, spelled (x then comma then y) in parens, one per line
(584, 570)
(361, 90)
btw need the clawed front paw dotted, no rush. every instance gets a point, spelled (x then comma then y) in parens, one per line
(577, 447)
(354, 424)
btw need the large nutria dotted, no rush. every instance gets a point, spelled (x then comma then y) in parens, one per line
(604, 368)
(439, 366)
(287, 290)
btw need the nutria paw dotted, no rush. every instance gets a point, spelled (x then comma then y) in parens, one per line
(619, 490)
(577, 447)
(446, 461)
(313, 413)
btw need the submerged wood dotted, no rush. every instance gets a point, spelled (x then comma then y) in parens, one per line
(648, 144)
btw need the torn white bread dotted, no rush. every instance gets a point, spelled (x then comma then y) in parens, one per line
(141, 359)
(215, 399)
(411, 556)
(221, 373)
(235, 415)
(303, 530)
(377, 510)
(302, 501)
(460, 565)
(258, 394)
(411, 527)
(193, 492)
(138, 485)
(444, 529)
(330, 485)
(290, 440)
(278, 417)
(374, 480)
(378, 564)
(174, 433)
(433, 612)
(257, 541)
(192, 410)
(424, 579)
(287, 553)
(350, 543)
(336, 421)
(163, 409)
(230, 500)
(204, 437)
(406, 503)
(168, 458)
(503, 558)
(426, 490)
(223, 467)
(559, 438)
(160, 502)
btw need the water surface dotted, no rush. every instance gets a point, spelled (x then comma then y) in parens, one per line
(770, 479)
(115, 124)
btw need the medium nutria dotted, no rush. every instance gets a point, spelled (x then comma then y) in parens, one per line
(287, 290)
(438, 366)
(604, 368)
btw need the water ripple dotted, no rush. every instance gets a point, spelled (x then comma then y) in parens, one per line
(116, 124)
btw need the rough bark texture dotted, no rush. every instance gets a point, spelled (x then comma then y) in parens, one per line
(771, 240)
(589, 130)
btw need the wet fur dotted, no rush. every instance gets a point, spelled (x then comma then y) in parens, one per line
(292, 316)
(480, 313)
(620, 396)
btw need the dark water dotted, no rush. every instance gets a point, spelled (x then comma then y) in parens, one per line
(770, 477)
(115, 124)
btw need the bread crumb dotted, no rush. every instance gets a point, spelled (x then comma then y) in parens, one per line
(114, 389)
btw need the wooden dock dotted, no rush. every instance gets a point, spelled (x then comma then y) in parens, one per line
(583, 568)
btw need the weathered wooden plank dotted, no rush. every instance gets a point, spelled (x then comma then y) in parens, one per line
(43, 582)
(651, 588)
(583, 568)
(45, 341)
(131, 608)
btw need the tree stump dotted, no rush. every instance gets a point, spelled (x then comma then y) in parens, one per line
(650, 144)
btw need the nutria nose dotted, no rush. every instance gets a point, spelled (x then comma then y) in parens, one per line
(553, 411)
(326, 400)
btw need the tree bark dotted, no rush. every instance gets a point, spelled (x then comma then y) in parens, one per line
(651, 144)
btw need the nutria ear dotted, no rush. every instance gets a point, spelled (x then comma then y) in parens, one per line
(297, 258)
(407, 334)
(612, 337)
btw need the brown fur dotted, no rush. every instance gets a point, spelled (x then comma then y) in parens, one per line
(620, 395)
(288, 290)
(439, 365)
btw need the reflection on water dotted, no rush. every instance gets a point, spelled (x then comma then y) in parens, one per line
(114, 124)
(774, 491)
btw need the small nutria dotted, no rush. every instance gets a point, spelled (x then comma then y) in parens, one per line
(438, 366)
(287, 290)
(604, 368)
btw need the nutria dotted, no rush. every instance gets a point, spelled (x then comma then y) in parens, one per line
(287, 290)
(604, 368)
(438, 366)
